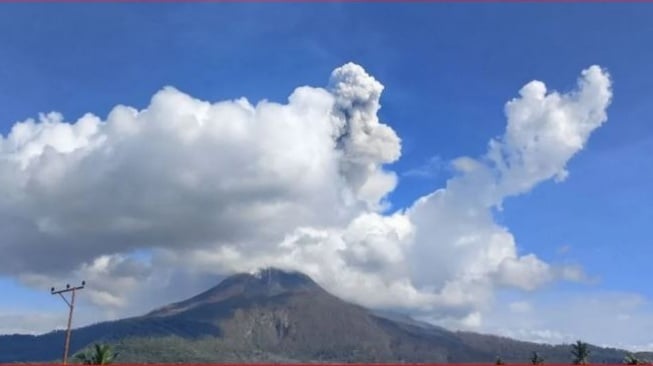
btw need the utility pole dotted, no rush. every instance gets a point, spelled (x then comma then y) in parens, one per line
(71, 306)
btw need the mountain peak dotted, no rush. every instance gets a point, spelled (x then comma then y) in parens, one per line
(285, 278)
(266, 282)
(261, 283)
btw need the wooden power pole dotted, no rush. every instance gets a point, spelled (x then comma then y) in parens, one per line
(71, 306)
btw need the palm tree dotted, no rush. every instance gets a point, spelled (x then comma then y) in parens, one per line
(536, 359)
(632, 360)
(581, 353)
(100, 355)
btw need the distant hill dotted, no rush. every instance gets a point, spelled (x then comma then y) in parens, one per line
(279, 316)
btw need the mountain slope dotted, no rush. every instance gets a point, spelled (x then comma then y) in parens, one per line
(278, 316)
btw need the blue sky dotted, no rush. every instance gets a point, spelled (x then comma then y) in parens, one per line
(448, 70)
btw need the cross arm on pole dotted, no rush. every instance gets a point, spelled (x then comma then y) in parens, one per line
(67, 289)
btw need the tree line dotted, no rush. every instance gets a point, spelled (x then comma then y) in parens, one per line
(580, 356)
(103, 354)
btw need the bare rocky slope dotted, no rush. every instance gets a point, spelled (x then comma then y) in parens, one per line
(286, 317)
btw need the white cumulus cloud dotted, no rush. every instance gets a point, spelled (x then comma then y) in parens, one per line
(217, 187)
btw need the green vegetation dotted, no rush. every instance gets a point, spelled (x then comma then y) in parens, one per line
(536, 359)
(581, 353)
(631, 359)
(100, 354)
(174, 349)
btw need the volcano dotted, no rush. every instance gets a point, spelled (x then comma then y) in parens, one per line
(282, 316)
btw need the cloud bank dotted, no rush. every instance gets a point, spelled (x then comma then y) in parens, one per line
(217, 187)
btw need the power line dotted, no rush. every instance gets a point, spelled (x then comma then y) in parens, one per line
(71, 306)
